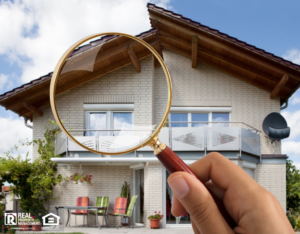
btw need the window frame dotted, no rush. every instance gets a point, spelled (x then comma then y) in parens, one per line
(108, 109)
(200, 110)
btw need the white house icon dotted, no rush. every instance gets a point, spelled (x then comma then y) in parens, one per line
(51, 219)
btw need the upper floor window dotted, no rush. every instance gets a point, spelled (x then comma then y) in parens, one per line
(205, 117)
(103, 117)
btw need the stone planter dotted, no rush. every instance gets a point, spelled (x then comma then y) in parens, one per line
(154, 223)
(37, 227)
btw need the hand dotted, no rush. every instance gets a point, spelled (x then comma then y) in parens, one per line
(253, 208)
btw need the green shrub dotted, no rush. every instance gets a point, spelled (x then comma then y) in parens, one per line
(292, 221)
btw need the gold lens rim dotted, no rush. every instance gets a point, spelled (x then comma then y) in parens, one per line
(57, 71)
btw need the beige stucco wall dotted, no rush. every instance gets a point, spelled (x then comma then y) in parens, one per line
(203, 86)
(273, 178)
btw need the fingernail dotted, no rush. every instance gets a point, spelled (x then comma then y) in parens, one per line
(179, 186)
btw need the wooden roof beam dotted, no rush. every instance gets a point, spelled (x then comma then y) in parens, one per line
(10, 105)
(279, 86)
(239, 64)
(194, 50)
(60, 90)
(134, 59)
(228, 47)
(32, 108)
(84, 79)
(231, 72)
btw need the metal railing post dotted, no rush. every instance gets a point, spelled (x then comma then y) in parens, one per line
(240, 140)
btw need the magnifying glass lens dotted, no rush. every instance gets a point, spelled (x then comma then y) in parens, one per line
(111, 93)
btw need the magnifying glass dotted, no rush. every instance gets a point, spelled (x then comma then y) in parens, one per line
(111, 94)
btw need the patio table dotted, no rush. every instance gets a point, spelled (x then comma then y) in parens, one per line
(96, 208)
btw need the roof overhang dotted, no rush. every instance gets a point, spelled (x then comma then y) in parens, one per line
(188, 38)
(279, 77)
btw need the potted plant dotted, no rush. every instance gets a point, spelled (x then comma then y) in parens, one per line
(24, 225)
(125, 192)
(155, 219)
(80, 178)
(36, 225)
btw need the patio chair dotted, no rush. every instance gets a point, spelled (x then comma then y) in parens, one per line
(119, 208)
(81, 201)
(129, 211)
(102, 202)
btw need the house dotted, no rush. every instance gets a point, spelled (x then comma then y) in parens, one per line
(216, 78)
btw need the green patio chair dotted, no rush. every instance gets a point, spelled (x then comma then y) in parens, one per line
(128, 212)
(102, 202)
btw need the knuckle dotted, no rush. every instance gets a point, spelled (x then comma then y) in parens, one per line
(201, 212)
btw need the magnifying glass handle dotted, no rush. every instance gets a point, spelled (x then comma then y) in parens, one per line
(173, 163)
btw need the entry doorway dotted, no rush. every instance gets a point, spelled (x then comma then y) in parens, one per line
(169, 219)
(139, 190)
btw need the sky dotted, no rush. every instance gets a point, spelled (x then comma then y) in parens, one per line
(35, 33)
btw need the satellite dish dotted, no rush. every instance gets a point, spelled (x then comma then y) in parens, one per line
(275, 126)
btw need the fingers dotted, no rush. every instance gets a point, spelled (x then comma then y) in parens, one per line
(177, 209)
(220, 170)
(195, 229)
(212, 188)
(197, 201)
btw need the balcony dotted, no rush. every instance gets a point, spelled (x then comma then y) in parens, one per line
(206, 137)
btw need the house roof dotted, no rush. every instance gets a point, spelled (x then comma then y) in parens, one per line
(203, 44)
(184, 36)
(36, 92)
(223, 35)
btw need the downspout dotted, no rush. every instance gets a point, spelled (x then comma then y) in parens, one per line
(25, 122)
(286, 105)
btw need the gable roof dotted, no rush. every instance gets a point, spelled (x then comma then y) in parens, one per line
(153, 7)
(225, 53)
(184, 36)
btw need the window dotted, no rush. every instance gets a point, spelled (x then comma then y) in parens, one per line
(122, 120)
(109, 117)
(108, 121)
(97, 120)
(220, 117)
(191, 119)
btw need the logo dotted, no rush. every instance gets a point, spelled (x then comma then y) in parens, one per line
(10, 219)
(51, 219)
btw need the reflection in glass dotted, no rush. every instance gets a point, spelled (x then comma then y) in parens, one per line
(139, 190)
(182, 117)
(122, 120)
(97, 120)
(220, 117)
(184, 218)
(203, 117)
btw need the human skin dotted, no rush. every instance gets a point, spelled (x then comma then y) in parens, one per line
(253, 208)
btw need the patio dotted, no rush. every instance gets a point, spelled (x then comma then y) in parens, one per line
(92, 230)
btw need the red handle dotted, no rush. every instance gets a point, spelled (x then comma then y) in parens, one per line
(173, 163)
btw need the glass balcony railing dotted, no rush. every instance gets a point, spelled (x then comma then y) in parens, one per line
(197, 136)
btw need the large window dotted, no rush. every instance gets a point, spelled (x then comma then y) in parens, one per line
(109, 120)
(199, 119)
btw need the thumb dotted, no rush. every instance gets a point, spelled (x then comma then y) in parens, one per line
(198, 202)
